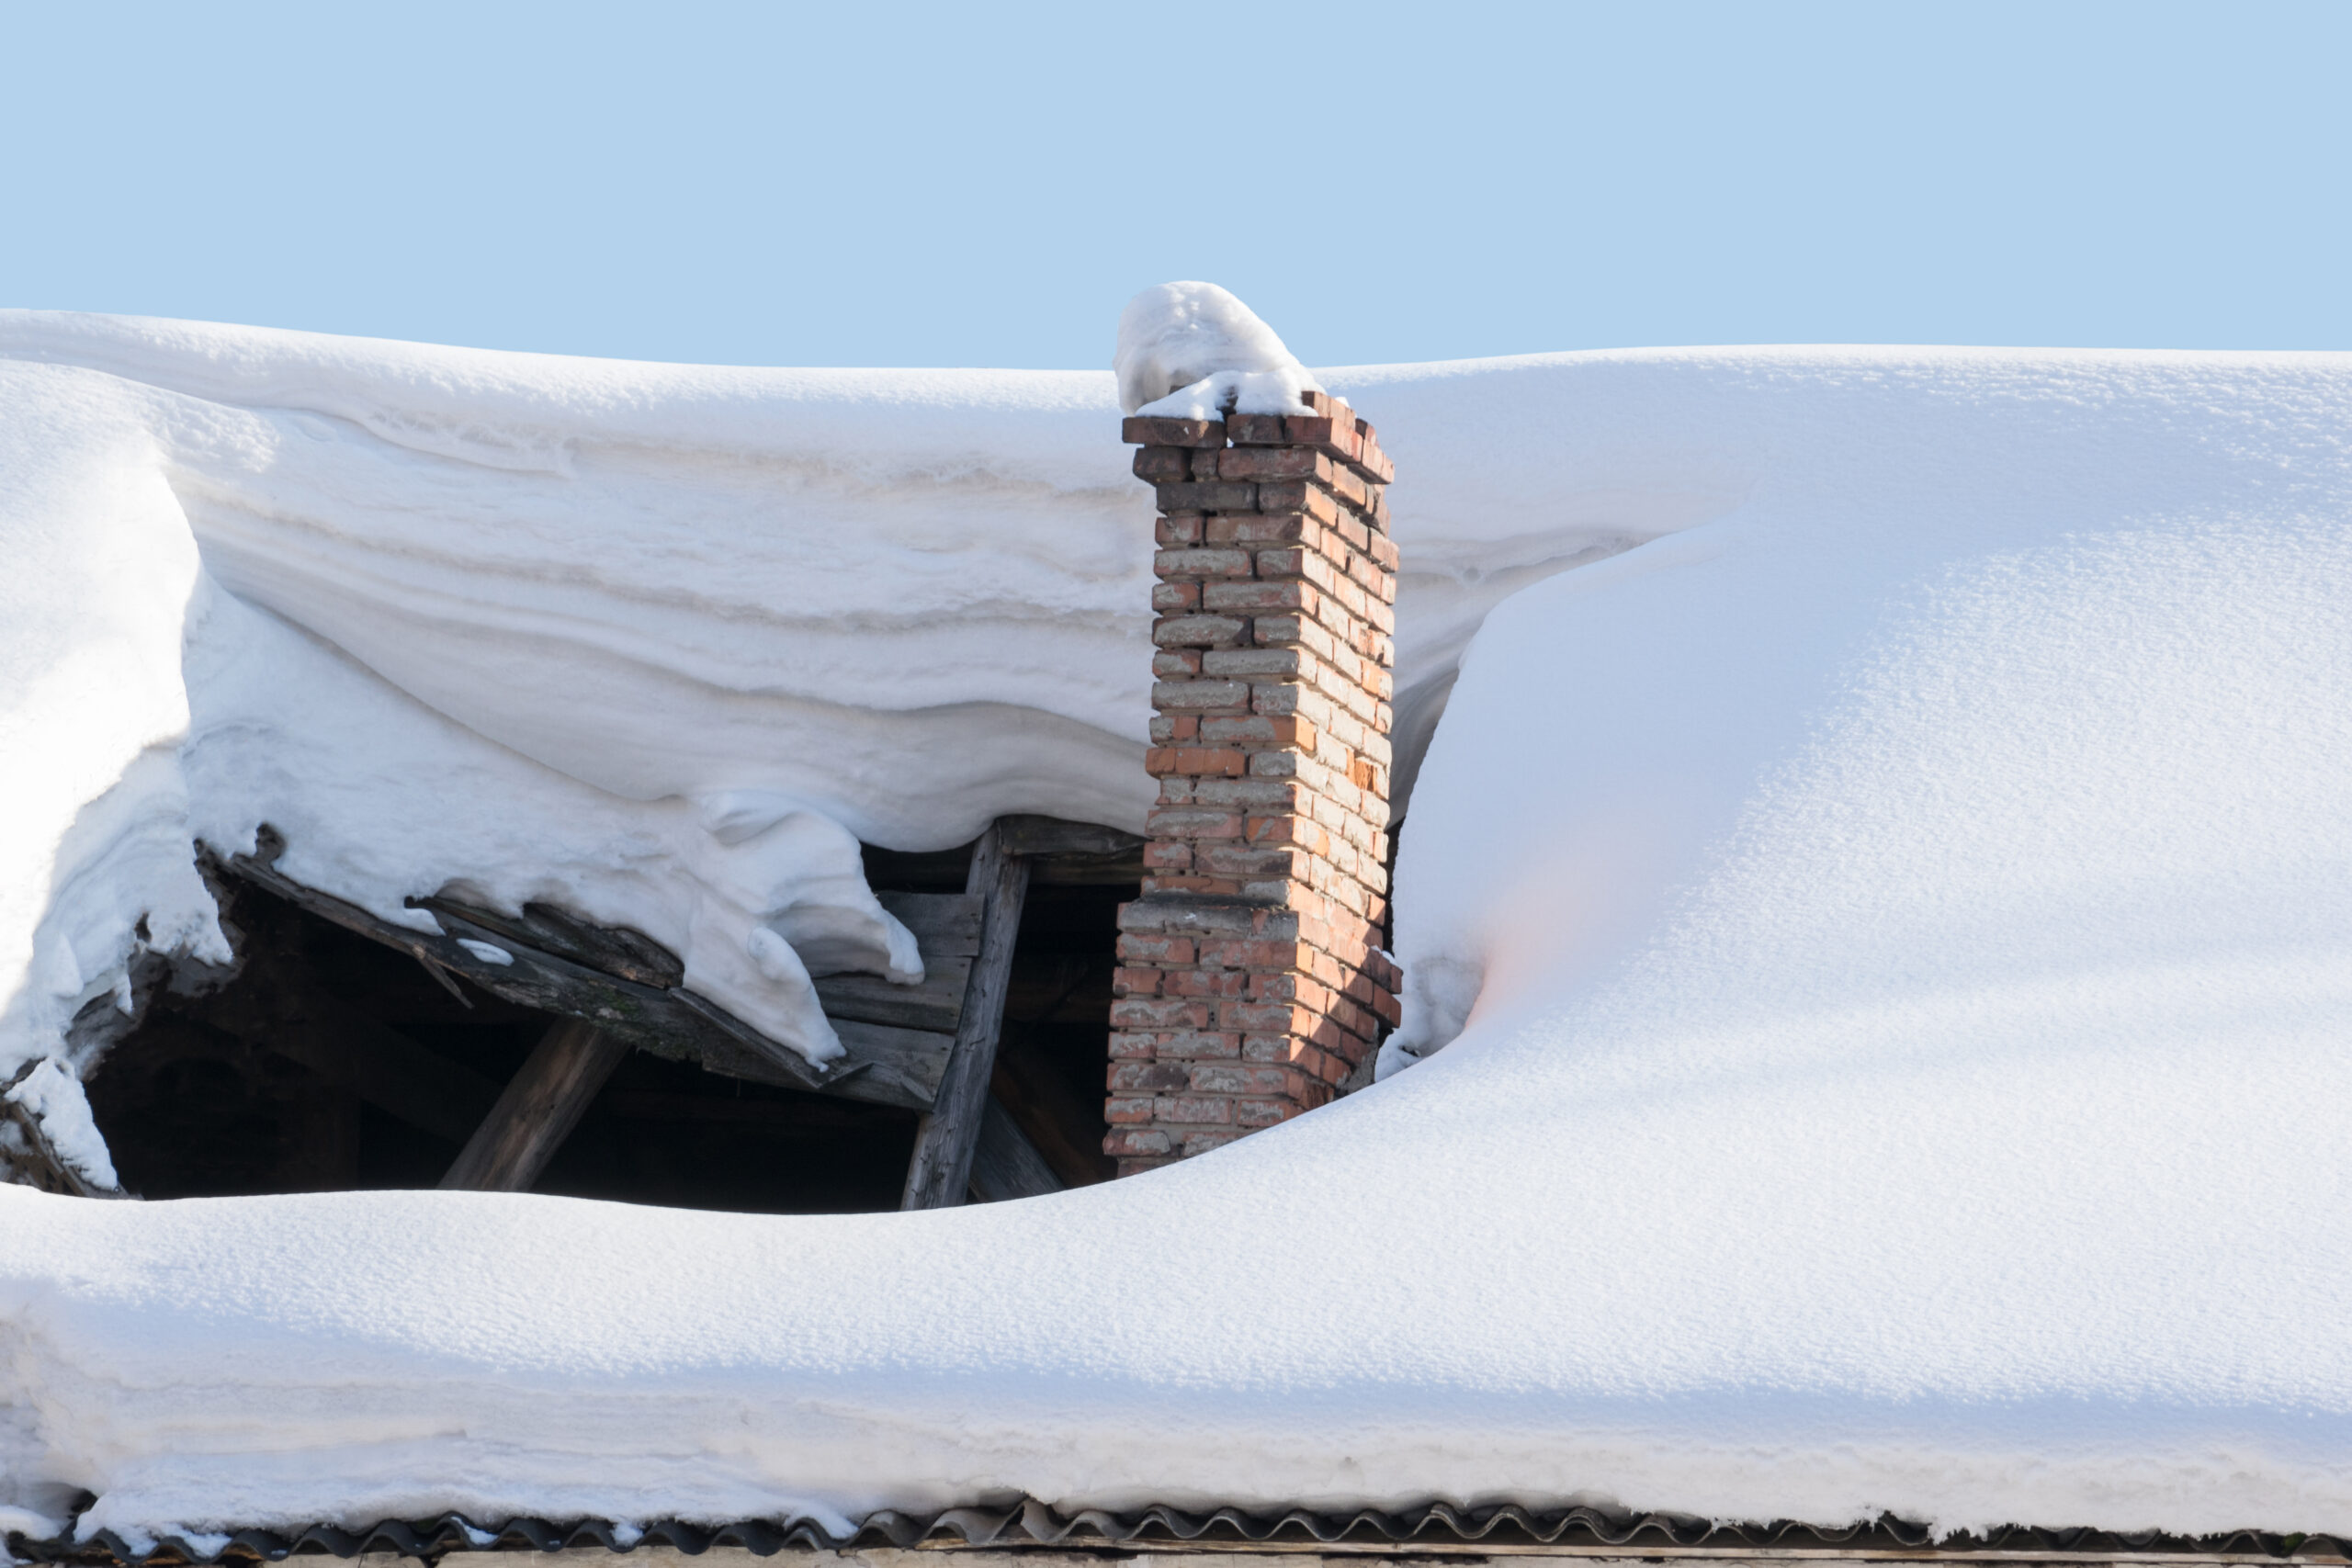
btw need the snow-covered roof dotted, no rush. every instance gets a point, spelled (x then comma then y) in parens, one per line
(1878, 944)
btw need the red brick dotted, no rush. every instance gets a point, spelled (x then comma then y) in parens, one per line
(1137, 1141)
(1158, 1013)
(1164, 951)
(1256, 731)
(1203, 1042)
(1192, 822)
(1200, 696)
(1259, 528)
(1274, 463)
(1298, 495)
(1257, 430)
(1199, 631)
(1272, 1047)
(1356, 1021)
(1191, 761)
(1158, 465)
(1263, 663)
(1195, 1110)
(1126, 1111)
(1208, 983)
(1139, 432)
(1233, 1077)
(1156, 1078)
(1196, 1143)
(1245, 862)
(1304, 989)
(1126, 981)
(1256, 955)
(1187, 883)
(1287, 593)
(1269, 1018)
(1203, 563)
(1286, 829)
(1216, 497)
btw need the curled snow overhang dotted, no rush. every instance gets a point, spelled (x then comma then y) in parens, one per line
(1496, 1529)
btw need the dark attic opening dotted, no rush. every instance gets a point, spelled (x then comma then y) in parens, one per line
(343, 1052)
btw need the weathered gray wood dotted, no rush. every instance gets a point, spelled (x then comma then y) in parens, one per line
(540, 1106)
(909, 1062)
(615, 950)
(1005, 1164)
(670, 1022)
(885, 1065)
(942, 1167)
(441, 978)
(1057, 836)
(945, 923)
(935, 1003)
(736, 1049)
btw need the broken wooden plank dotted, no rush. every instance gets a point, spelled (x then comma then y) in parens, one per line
(670, 1022)
(1005, 1165)
(935, 1003)
(736, 1049)
(942, 1167)
(884, 1065)
(538, 1108)
(909, 1063)
(615, 950)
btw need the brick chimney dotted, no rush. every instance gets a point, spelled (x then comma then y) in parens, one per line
(1251, 981)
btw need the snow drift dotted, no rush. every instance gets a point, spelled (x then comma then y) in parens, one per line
(1877, 944)
(658, 644)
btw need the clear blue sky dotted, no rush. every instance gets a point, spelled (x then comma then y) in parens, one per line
(981, 185)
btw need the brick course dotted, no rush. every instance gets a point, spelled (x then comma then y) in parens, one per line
(1250, 981)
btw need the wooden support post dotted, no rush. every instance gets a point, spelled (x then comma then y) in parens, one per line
(1005, 1164)
(538, 1108)
(941, 1167)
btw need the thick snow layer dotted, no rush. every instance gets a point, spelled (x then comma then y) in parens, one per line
(1890, 936)
(656, 643)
